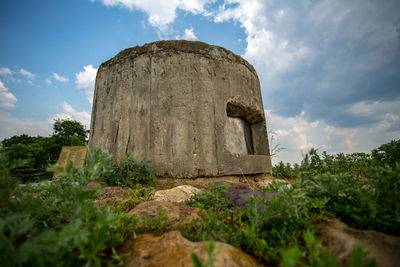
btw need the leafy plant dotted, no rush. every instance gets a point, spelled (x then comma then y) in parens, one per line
(371, 203)
(264, 227)
(358, 258)
(157, 225)
(282, 170)
(59, 222)
(30, 156)
(210, 199)
(313, 253)
(209, 247)
(139, 194)
(131, 171)
(70, 129)
(387, 154)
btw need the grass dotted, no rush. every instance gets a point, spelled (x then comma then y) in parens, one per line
(59, 223)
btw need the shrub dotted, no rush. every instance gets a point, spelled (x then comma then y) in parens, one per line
(131, 171)
(365, 202)
(58, 222)
(213, 199)
(387, 154)
(261, 229)
(30, 156)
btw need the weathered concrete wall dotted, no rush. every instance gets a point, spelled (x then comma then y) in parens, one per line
(171, 102)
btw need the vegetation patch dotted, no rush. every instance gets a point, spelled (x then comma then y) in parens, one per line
(60, 222)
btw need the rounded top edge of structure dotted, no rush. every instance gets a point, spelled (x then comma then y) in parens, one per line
(167, 47)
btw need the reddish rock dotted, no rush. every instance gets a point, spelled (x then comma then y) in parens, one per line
(171, 249)
(340, 240)
(176, 212)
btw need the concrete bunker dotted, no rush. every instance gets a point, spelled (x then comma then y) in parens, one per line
(191, 108)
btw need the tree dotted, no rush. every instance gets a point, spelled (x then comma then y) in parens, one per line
(387, 153)
(28, 156)
(69, 128)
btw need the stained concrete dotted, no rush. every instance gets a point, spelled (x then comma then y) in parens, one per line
(171, 102)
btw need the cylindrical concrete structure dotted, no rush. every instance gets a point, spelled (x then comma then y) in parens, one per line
(190, 108)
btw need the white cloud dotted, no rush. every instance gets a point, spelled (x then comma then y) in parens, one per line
(59, 78)
(292, 133)
(161, 13)
(189, 34)
(86, 80)
(298, 135)
(268, 51)
(27, 74)
(11, 125)
(69, 113)
(5, 71)
(7, 99)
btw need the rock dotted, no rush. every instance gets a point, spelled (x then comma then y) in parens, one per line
(239, 197)
(176, 194)
(340, 240)
(192, 109)
(176, 212)
(171, 249)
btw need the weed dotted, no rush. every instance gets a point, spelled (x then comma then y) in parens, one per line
(210, 199)
(59, 222)
(209, 247)
(139, 194)
(131, 171)
(157, 225)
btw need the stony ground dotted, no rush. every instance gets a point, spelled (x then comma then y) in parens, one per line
(171, 249)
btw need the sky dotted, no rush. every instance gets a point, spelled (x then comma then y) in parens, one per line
(329, 70)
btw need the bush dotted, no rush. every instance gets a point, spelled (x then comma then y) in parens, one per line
(131, 171)
(371, 202)
(213, 199)
(261, 229)
(58, 222)
(285, 171)
(387, 154)
(30, 156)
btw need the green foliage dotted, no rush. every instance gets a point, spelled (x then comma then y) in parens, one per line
(209, 247)
(362, 189)
(285, 171)
(157, 225)
(358, 164)
(139, 194)
(365, 202)
(312, 254)
(358, 258)
(69, 128)
(29, 156)
(130, 172)
(387, 154)
(210, 199)
(58, 222)
(263, 228)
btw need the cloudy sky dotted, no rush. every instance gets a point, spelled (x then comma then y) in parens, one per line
(329, 70)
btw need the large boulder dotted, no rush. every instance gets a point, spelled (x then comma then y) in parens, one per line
(171, 249)
(176, 212)
(340, 240)
(177, 194)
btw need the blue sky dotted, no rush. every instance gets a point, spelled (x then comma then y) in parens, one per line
(329, 70)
